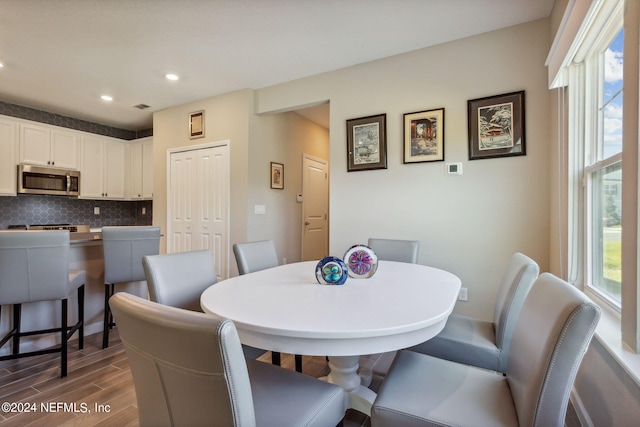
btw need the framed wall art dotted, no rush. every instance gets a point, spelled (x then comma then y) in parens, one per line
(424, 136)
(496, 126)
(196, 124)
(367, 143)
(277, 175)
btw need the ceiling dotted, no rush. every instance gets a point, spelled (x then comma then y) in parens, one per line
(62, 55)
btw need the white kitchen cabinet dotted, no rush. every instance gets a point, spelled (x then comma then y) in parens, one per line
(103, 168)
(8, 157)
(115, 169)
(147, 169)
(49, 146)
(141, 170)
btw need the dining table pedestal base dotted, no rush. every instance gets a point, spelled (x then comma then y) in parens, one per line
(344, 372)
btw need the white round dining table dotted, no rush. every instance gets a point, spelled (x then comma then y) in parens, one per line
(285, 309)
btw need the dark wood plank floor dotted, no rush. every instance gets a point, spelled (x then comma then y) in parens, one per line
(98, 390)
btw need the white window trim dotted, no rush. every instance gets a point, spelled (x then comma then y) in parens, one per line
(609, 329)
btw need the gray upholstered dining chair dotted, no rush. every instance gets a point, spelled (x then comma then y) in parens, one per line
(123, 249)
(34, 266)
(256, 256)
(202, 378)
(551, 336)
(178, 280)
(395, 250)
(482, 343)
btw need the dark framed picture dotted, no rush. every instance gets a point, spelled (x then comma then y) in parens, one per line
(196, 124)
(496, 126)
(367, 143)
(277, 175)
(424, 136)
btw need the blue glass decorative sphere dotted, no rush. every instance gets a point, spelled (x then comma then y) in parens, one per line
(331, 271)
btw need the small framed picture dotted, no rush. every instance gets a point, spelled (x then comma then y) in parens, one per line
(424, 136)
(367, 143)
(196, 124)
(277, 175)
(496, 126)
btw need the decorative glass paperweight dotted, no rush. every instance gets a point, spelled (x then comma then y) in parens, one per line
(331, 271)
(361, 261)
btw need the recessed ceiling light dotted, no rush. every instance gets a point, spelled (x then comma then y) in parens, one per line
(172, 77)
(106, 98)
(1, 65)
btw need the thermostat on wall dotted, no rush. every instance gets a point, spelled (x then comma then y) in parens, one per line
(454, 168)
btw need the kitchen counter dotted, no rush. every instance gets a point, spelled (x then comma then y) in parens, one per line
(89, 236)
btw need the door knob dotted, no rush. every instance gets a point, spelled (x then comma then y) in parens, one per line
(307, 223)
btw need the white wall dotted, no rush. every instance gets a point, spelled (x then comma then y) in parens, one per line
(255, 141)
(226, 118)
(469, 224)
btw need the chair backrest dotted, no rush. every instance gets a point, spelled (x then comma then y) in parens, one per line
(395, 250)
(188, 368)
(179, 279)
(124, 248)
(255, 256)
(516, 282)
(34, 266)
(552, 334)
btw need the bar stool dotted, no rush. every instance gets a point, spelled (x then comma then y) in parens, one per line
(124, 248)
(34, 266)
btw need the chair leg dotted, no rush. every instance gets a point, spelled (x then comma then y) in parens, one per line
(81, 317)
(63, 342)
(298, 359)
(275, 358)
(17, 317)
(108, 291)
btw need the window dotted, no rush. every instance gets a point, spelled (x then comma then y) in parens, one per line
(603, 165)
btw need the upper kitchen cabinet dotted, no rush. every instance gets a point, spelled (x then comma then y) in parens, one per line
(103, 168)
(8, 157)
(49, 146)
(141, 177)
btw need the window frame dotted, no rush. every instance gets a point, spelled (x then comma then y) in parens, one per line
(593, 148)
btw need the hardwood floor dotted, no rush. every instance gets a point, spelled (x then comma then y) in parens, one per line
(98, 390)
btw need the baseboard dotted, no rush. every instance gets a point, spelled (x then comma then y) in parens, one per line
(579, 409)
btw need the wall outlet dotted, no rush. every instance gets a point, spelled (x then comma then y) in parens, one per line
(284, 261)
(96, 210)
(144, 210)
(463, 295)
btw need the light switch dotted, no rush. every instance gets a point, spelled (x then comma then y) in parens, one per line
(259, 209)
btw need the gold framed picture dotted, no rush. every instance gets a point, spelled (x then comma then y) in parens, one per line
(277, 176)
(196, 124)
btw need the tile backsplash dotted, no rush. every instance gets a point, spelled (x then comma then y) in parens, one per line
(31, 209)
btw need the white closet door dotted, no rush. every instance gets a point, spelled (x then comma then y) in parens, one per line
(199, 203)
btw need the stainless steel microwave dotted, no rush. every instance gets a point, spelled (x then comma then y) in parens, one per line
(43, 180)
